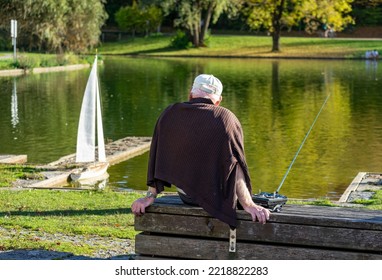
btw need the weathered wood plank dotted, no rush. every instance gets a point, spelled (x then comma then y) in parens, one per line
(56, 181)
(326, 211)
(284, 233)
(173, 200)
(192, 248)
(182, 225)
(373, 223)
(311, 215)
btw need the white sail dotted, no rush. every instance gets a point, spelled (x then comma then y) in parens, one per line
(87, 124)
(100, 137)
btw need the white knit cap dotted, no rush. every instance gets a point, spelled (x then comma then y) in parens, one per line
(208, 84)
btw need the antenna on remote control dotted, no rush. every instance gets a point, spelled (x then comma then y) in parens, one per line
(275, 201)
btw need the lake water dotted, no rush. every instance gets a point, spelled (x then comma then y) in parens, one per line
(276, 101)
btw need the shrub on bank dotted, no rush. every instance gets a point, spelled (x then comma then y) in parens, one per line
(28, 61)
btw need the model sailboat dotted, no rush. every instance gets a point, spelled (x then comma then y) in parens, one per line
(89, 129)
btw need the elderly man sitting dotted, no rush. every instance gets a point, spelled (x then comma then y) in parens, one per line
(197, 146)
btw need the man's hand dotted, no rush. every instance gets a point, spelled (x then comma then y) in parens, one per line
(258, 213)
(138, 207)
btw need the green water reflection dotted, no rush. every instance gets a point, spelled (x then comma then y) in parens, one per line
(276, 102)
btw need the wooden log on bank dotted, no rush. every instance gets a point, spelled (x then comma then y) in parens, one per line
(13, 159)
(116, 152)
(173, 230)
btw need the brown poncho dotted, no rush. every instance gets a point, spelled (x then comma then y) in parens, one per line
(197, 147)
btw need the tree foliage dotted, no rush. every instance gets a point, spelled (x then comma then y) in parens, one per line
(274, 15)
(195, 16)
(367, 12)
(55, 25)
(136, 19)
(111, 7)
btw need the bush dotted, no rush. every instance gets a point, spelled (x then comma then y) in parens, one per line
(27, 62)
(180, 41)
(64, 59)
(207, 38)
(48, 62)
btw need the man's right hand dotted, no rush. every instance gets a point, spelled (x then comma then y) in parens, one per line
(258, 213)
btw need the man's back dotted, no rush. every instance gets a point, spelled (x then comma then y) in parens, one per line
(196, 146)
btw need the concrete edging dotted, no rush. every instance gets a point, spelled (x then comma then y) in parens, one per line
(352, 187)
(13, 159)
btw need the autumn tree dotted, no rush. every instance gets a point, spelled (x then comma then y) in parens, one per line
(55, 25)
(274, 15)
(195, 16)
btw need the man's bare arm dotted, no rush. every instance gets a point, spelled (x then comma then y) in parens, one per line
(257, 212)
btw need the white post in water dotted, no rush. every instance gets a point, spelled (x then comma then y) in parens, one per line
(14, 36)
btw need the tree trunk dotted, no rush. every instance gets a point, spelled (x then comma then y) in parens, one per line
(195, 35)
(206, 23)
(276, 22)
(276, 41)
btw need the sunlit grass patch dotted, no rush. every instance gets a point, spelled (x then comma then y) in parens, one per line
(73, 213)
(246, 46)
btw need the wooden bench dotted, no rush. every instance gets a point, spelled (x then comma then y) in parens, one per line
(173, 230)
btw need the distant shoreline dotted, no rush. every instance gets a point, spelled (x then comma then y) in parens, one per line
(20, 72)
(220, 47)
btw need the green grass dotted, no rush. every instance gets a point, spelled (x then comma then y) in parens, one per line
(10, 173)
(374, 203)
(86, 213)
(6, 64)
(316, 202)
(247, 46)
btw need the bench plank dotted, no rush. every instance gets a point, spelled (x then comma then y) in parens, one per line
(274, 232)
(152, 246)
(292, 214)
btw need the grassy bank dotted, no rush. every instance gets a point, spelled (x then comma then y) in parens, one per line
(36, 60)
(82, 213)
(218, 46)
(248, 46)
